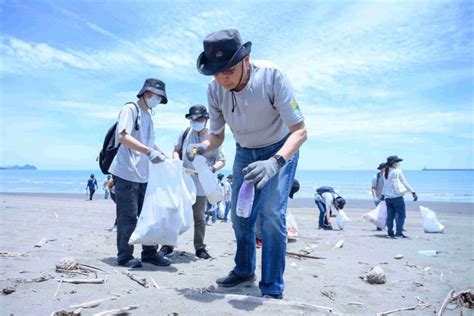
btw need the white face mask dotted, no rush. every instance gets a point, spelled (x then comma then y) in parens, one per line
(198, 126)
(153, 101)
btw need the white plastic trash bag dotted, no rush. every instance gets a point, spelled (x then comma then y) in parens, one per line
(209, 183)
(430, 221)
(167, 208)
(291, 226)
(341, 219)
(378, 216)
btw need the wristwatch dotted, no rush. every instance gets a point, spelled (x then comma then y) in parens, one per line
(280, 160)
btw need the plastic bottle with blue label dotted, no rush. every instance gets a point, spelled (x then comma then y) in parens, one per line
(245, 199)
(430, 253)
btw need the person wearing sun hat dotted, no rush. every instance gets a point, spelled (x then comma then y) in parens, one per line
(256, 100)
(130, 169)
(393, 199)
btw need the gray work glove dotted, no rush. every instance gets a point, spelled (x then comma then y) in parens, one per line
(155, 156)
(195, 149)
(415, 197)
(261, 172)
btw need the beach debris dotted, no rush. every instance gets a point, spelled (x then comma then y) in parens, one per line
(417, 284)
(429, 253)
(397, 281)
(41, 243)
(154, 283)
(40, 279)
(422, 303)
(10, 254)
(57, 290)
(67, 313)
(119, 311)
(300, 255)
(69, 265)
(328, 294)
(8, 290)
(463, 298)
(375, 276)
(94, 303)
(293, 264)
(355, 303)
(339, 244)
(398, 310)
(398, 256)
(143, 282)
(83, 281)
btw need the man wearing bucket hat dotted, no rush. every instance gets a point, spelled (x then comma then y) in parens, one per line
(378, 183)
(130, 169)
(256, 100)
(196, 133)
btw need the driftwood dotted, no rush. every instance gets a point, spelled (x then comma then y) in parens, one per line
(446, 301)
(154, 283)
(355, 303)
(41, 243)
(10, 254)
(117, 311)
(57, 290)
(339, 244)
(67, 313)
(463, 298)
(398, 310)
(300, 255)
(133, 277)
(83, 281)
(93, 303)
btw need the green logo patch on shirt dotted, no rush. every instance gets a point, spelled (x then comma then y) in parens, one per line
(295, 106)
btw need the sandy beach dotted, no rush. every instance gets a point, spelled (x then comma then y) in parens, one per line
(74, 227)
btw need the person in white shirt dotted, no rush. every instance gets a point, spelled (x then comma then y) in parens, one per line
(227, 196)
(393, 199)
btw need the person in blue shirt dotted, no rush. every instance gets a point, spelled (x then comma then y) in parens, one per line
(91, 186)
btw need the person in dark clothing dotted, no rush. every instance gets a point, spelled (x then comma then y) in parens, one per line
(91, 186)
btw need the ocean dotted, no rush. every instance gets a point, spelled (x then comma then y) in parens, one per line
(449, 186)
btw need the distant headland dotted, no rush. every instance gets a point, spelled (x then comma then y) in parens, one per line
(15, 167)
(447, 169)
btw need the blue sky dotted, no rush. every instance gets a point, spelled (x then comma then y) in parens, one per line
(372, 78)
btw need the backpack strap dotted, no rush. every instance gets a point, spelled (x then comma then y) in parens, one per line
(186, 132)
(137, 119)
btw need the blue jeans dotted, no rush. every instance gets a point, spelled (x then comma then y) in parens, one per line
(211, 211)
(395, 210)
(129, 198)
(227, 209)
(270, 204)
(323, 221)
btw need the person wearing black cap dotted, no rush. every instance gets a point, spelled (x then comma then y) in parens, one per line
(327, 200)
(394, 188)
(378, 183)
(257, 101)
(130, 169)
(196, 133)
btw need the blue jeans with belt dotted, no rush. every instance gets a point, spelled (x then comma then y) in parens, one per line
(395, 210)
(323, 221)
(270, 204)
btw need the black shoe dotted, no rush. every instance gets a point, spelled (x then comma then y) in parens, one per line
(379, 229)
(203, 254)
(132, 263)
(274, 296)
(232, 280)
(327, 227)
(165, 250)
(391, 236)
(402, 236)
(157, 261)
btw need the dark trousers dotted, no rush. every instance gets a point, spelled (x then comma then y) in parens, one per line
(129, 200)
(323, 221)
(395, 210)
(91, 193)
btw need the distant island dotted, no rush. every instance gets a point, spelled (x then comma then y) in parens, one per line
(25, 167)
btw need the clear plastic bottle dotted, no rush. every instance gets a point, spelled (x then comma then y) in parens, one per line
(245, 199)
(430, 253)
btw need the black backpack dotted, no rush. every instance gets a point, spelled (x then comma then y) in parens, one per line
(109, 150)
(180, 151)
(325, 189)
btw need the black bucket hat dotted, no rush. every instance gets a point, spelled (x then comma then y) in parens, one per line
(197, 111)
(294, 188)
(392, 159)
(220, 176)
(339, 202)
(222, 50)
(156, 86)
(381, 166)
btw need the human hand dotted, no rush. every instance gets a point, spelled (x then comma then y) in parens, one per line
(261, 172)
(415, 197)
(155, 156)
(195, 149)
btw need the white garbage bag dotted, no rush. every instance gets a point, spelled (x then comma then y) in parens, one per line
(291, 226)
(220, 209)
(209, 183)
(430, 221)
(378, 216)
(341, 219)
(167, 208)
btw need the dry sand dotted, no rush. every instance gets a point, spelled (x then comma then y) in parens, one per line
(77, 228)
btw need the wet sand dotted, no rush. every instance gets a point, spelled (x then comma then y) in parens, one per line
(78, 228)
